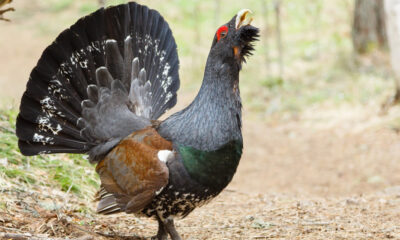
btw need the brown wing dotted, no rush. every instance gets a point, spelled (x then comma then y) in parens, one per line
(131, 173)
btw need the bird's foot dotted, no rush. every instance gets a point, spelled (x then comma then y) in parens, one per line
(161, 233)
(165, 227)
(158, 237)
(170, 228)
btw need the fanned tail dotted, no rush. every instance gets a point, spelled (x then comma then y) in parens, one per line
(103, 78)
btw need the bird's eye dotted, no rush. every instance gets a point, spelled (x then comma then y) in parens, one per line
(222, 32)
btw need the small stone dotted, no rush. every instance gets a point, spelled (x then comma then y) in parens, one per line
(260, 224)
(382, 201)
(351, 201)
(249, 218)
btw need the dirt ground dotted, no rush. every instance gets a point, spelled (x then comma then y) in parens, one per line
(329, 174)
(312, 178)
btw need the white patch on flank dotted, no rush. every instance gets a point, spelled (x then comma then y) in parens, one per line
(164, 155)
(159, 190)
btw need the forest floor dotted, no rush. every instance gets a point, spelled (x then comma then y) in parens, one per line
(326, 172)
(312, 178)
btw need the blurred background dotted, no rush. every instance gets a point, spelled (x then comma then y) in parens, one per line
(319, 94)
(320, 98)
(305, 59)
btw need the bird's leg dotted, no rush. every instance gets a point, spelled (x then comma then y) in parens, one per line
(170, 227)
(161, 233)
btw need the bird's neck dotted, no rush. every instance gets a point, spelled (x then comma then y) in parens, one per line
(213, 119)
(207, 134)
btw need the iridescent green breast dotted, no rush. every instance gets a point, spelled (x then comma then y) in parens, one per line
(213, 169)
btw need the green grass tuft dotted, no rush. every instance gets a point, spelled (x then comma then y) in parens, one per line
(71, 173)
(60, 5)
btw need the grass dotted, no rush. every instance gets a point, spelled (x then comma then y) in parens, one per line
(59, 5)
(68, 173)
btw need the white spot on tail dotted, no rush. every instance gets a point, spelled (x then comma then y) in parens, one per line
(164, 155)
(128, 38)
(42, 139)
(168, 97)
(44, 123)
(165, 72)
(166, 83)
(108, 41)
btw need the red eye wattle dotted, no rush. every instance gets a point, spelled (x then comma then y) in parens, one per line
(222, 32)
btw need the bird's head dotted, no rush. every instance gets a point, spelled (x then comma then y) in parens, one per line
(233, 41)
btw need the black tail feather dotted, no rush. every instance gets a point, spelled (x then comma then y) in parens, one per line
(77, 97)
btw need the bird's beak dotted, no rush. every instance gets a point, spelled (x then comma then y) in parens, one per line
(242, 19)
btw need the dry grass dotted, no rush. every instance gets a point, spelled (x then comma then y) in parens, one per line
(331, 180)
(319, 161)
(233, 215)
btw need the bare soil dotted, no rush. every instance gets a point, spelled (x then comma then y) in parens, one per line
(305, 179)
(333, 173)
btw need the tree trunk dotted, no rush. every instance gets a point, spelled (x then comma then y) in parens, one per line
(392, 10)
(265, 13)
(277, 6)
(369, 29)
(217, 12)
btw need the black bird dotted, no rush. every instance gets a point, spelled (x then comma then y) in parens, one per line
(99, 89)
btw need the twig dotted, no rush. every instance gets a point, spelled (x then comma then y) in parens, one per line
(133, 237)
(7, 130)
(235, 191)
(16, 236)
(25, 236)
(315, 223)
(10, 229)
(52, 229)
(108, 235)
(66, 200)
